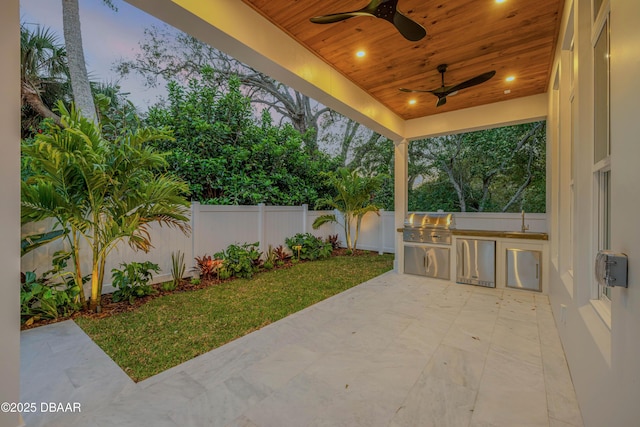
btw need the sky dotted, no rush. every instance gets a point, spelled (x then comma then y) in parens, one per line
(107, 36)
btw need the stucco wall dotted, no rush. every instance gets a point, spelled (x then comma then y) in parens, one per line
(602, 349)
(10, 209)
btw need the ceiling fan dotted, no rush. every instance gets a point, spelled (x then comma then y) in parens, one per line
(443, 91)
(385, 9)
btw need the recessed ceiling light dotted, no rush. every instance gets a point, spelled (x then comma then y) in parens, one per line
(510, 78)
(412, 102)
(360, 53)
(500, 1)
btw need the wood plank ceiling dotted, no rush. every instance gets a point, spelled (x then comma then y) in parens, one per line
(514, 38)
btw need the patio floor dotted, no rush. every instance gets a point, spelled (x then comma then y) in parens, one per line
(397, 350)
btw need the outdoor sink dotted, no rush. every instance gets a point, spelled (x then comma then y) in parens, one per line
(525, 235)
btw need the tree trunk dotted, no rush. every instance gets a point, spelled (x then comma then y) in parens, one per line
(31, 97)
(523, 186)
(80, 86)
(347, 139)
(347, 229)
(358, 224)
(78, 271)
(457, 186)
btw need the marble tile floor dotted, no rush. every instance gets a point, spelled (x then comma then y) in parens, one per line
(398, 350)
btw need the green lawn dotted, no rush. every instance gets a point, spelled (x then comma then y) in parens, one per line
(172, 329)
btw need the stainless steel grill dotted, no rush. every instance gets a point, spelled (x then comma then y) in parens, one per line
(428, 228)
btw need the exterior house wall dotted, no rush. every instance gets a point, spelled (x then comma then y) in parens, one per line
(10, 209)
(600, 340)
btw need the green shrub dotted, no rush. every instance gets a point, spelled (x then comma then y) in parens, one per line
(223, 273)
(168, 286)
(311, 247)
(195, 281)
(132, 280)
(53, 295)
(41, 300)
(270, 256)
(177, 271)
(240, 260)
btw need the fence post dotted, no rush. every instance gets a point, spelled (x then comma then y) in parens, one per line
(305, 217)
(381, 232)
(336, 226)
(195, 220)
(261, 227)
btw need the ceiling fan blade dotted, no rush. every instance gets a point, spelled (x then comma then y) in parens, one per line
(415, 90)
(383, 9)
(409, 28)
(472, 82)
(442, 97)
(368, 10)
(443, 91)
(337, 17)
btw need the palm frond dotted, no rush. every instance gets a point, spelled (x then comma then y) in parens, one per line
(323, 219)
(34, 241)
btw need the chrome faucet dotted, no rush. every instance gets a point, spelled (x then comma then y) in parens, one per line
(524, 227)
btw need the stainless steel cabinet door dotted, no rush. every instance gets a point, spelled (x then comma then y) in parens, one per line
(524, 269)
(427, 261)
(437, 262)
(414, 261)
(476, 262)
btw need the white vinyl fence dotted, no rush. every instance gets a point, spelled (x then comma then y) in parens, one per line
(213, 228)
(216, 227)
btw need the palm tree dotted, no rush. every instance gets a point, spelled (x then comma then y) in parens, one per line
(43, 71)
(353, 201)
(102, 191)
(80, 85)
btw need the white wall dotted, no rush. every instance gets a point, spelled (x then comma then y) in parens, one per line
(602, 344)
(10, 209)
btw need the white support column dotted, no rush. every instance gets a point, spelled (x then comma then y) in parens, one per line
(401, 158)
(10, 210)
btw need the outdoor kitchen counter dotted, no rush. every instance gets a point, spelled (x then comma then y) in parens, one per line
(529, 235)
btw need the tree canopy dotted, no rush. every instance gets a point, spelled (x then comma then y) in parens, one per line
(494, 170)
(229, 157)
